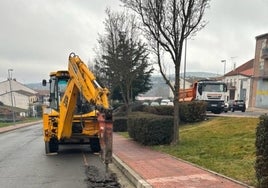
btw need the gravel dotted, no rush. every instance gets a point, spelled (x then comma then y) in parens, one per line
(98, 178)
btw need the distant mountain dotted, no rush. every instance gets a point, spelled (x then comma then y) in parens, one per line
(200, 74)
(161, 89)
(37, 86)
(159, 85)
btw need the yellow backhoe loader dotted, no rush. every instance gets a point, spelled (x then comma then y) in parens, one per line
(78, 110)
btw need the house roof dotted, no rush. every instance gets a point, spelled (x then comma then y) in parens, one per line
(262, 36)
(42, 92)
(245, 69)
(16, 86)
(22, 92)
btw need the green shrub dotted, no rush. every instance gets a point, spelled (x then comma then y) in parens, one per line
(150, 129)
(120, 124)
(193, 111)
(159, 110)
(261, 165)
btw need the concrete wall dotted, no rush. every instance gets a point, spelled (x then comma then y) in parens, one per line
(261, 100)
(260, 74)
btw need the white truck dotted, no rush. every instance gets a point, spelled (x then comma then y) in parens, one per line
(211, 91)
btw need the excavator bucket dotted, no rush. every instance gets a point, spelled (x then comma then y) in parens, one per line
(106, 137)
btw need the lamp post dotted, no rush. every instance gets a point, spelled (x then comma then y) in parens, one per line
(224, 68)
(184, 72)
(11, 96)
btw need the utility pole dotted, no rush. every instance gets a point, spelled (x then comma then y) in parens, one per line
(11, 95)
(234, 63)
(184, 73)
(224, 66)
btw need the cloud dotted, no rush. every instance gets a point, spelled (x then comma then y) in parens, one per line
(38, 35)
(42, 33)
(230, 32)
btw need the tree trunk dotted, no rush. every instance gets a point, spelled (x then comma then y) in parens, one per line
(176, 137)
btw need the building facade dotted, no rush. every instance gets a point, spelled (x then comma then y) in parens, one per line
(259, 94)
(13, 93)
(239, 82)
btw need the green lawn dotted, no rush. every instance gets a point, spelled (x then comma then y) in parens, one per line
(26, 120)
(224, 144)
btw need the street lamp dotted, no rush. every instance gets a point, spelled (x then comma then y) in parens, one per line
(184, 72)
(224, 61)
(11, 96)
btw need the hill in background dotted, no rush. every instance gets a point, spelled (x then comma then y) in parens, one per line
(159, 89)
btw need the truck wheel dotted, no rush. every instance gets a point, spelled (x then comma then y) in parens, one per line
(217, 111)
(95, 144)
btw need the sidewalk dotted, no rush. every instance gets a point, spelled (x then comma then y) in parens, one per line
(253, 109)
(148, 168)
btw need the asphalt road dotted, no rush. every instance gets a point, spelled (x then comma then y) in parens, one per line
(23, 162)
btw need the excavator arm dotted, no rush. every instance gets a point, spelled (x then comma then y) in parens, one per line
(86, 82)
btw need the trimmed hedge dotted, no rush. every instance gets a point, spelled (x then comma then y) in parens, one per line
(159, 110)
(261, 165)
(120, 124)
(193, 111)
(153, 125)
(150, 129)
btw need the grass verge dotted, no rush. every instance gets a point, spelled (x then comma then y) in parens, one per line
(222, 144)
(26, 120)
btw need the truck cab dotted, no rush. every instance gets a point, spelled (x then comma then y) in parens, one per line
(212, 92)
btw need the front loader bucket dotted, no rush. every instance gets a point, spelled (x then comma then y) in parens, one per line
(106, 138)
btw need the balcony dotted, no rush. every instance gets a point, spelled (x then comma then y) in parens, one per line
(231, 86)
(265, 53)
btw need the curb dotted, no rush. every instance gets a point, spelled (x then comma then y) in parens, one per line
(18, 126)
(133, 177)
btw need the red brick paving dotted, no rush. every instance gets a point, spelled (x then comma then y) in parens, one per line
(161, 170)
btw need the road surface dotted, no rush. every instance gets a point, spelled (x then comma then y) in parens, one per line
(23, 162)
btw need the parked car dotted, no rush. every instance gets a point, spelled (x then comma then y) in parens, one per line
(145, 103)
(164, 102)
(154, 103)
(170, 103)
(237, 105)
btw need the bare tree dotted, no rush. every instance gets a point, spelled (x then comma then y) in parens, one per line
(169, 23)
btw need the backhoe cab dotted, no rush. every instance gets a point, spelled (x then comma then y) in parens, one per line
(78, 110)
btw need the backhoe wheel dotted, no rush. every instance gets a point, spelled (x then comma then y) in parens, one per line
(95, 144)
(52, 146)
(47, 147)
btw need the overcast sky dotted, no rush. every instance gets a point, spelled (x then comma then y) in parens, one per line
(38, 35)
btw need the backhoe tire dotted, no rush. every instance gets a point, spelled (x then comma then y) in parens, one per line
(52, 146)
(95, 145)
(47, 147)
